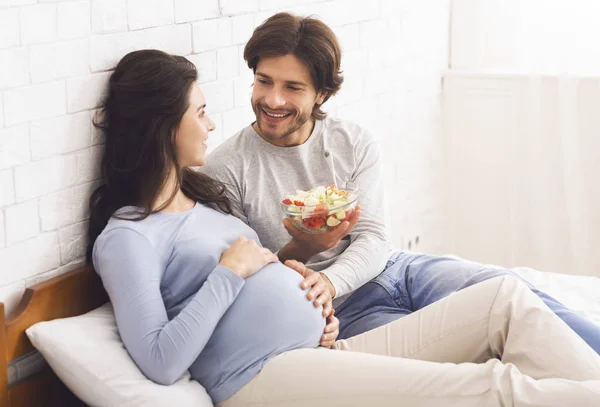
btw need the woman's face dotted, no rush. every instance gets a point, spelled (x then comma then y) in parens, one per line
(193, 131)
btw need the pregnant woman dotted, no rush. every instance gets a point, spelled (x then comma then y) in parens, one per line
(192, 288)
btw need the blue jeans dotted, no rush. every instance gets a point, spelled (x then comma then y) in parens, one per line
(410, 282)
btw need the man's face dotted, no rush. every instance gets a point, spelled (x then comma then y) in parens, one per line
(283, 97)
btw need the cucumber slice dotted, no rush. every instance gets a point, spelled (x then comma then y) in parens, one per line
(332, 221)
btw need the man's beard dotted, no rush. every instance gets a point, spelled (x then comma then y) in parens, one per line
(299, 121)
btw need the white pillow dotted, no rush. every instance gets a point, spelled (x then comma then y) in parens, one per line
(87, 354)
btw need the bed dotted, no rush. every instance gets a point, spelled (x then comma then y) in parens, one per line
(69, 294)
(80, 291)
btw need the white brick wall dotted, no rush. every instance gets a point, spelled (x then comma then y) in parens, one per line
(2, 232)
(242, 89)
(106, 50)
(14, 67)
(22, 222)
(193, 10)
(65, 207)
(26, 259)
(55, 58)
(227, 62)
(212, 34)
(149, 13)
(73, 19)
(59, 135)
(85, 92)
(9, 27)
(34, 102)
(243, 26)
(109, 16)
(14, 146)
(206, 63)
(232, 7)
(38, 24)
(7, 189)
(39, 178)
(59, 60)
(219, 95)
(72, 240)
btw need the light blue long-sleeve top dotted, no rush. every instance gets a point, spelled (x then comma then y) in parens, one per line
(177, 308)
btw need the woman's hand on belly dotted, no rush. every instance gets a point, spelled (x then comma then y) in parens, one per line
(246, 258)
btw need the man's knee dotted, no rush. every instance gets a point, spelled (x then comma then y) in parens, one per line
(492, 273)
(510, 283)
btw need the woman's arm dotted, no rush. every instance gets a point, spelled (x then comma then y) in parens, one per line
(131, 272)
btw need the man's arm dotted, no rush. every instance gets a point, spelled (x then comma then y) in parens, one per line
(368, 252)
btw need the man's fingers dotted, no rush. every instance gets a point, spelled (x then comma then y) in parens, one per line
(355, 216)
(332, 323)
(310, 280)
(317, 287)
(327, 343)
(331, 331)
(347, 225)
(328, 339)
(331, 327)
(323, 297)
(329, 336)
(341, 230)
(293, 264)
(327, 308)
(297, 266)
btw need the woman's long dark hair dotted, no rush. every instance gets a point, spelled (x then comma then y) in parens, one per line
(147, 97)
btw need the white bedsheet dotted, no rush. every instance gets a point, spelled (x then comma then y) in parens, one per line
(580, 293)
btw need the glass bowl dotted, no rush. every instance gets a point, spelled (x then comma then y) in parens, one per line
(320, 218)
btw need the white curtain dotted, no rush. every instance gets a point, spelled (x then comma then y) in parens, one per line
(522, 134)
(523, 169)
(526, 36)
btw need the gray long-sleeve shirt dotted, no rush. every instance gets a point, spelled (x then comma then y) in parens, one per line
(259, 174)
(178, 309)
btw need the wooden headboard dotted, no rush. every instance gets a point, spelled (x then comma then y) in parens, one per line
(70, 294)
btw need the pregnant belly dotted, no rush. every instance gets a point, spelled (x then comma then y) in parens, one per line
(270, 315)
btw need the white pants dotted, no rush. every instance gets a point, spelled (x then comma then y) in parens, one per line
(443, 355)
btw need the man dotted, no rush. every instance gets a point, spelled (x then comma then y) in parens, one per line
(293, 145)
